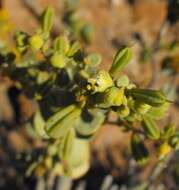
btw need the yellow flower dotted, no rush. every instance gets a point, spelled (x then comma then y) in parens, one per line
(36, 42)
(164, 149)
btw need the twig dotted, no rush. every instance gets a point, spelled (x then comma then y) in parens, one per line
(156, 173)
(117, 123)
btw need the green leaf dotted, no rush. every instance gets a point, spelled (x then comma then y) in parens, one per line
(61, 44)
(87, 33)
(152, 97)
(57, 60)
(78, 161)
(73, 49)
(158, 112)
(59, 115)
(66, 145)
(58, 127)
(169, 130)
(47, 19)
(150, 127)
(89, 122)
(121, 59)
(39, 125)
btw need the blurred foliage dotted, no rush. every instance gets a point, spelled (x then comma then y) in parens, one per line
(75, 25)
(75, 98)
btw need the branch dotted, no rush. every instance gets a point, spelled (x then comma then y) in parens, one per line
(117, 123)
(157, 172)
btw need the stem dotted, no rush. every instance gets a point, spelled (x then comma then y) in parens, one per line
(117, 123)
(156, 173)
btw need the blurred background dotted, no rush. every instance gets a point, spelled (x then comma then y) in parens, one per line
(151, 29)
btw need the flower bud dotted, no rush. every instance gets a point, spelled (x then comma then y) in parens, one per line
(123, 81)
(141, 107)
(21, 41)
(48, 162)
(123, 111)
(36, 42)
(57, 60)
(114, 96)
(164, 149)
(58, 169)
(40, 170)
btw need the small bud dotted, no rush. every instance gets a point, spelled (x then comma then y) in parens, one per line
(164, 149)
(93, 59)
(21, 41)
(123, 81)
(42, 77)
(141, 107)
(114, 96)
(123, 111)
(48, 162)
(40, 170)
(58, 169)
(52, 150)
(58, 60)
(36, 42)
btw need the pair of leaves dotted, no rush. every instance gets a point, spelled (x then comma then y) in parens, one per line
(62, 121)
(121, 59)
